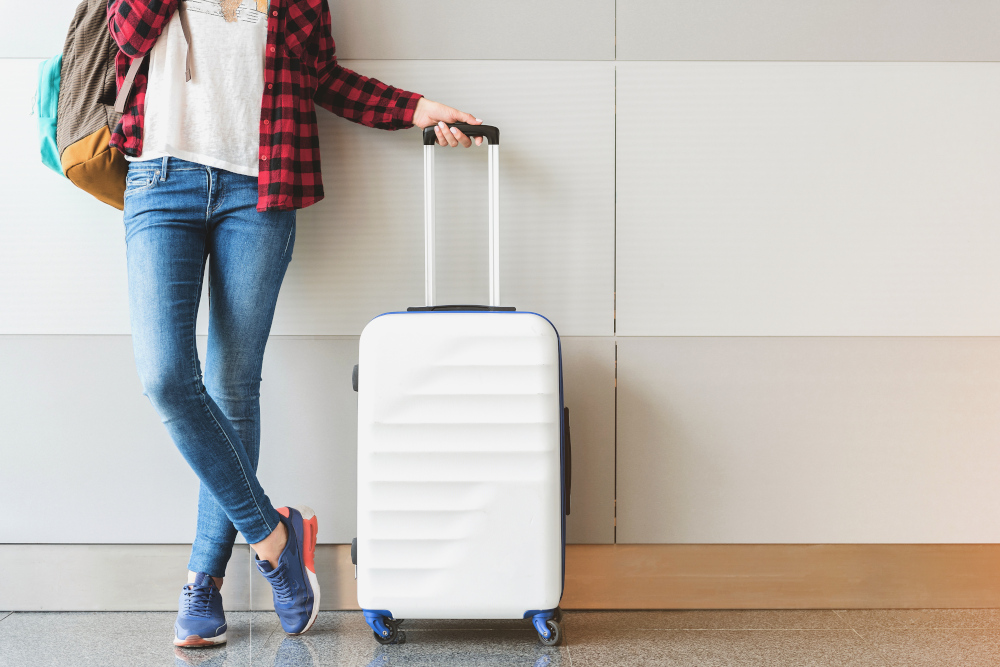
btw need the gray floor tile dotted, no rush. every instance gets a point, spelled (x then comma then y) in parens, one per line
(247, 638)
(112, 639)
(729, 648)
(343, 638)
(881, 638)
(739, 619)
(860, 619)
(917, 648)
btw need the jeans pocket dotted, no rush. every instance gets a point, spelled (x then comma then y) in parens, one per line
(140, 180)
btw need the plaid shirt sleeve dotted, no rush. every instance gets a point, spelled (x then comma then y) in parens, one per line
(135, 24)
(355, 97)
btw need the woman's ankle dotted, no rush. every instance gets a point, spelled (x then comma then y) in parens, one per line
(218, 580)
(270, 547)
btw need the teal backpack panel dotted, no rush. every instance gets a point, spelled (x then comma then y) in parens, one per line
(47, 110)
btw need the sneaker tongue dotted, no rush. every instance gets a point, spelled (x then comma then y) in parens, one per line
(202, 579)
(263, 565)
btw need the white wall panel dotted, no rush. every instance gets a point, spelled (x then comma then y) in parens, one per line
(855, 30)
(359, 252)
(808, 199)
(457, 29)
(62, 252)
(836, 30)
(309, 425)
(83, 455)
(394, 29)
(589, 393)
(85, 459)
(84, 448)
(28, 31)
(808, 440)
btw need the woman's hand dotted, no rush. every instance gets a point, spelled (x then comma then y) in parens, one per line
(430, 113)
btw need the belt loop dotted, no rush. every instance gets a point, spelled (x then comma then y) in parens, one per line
(163, 169)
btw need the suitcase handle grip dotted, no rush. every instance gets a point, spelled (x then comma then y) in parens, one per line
(489, 132)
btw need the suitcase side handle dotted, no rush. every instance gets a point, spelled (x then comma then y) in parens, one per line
(492, 135)
(568, 461)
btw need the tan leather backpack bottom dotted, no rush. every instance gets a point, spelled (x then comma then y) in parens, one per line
(97, 168)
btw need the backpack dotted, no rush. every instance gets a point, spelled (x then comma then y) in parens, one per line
(78, 107)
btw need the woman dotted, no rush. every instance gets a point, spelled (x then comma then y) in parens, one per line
(220, 135)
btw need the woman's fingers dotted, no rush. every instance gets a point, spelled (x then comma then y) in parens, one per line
(475, 121)
(462, 138)
(448, 134)
(440, 137)
(453, 137)
(471, 120)
(442, 134)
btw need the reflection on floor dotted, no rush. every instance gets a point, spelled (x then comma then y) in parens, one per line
(882, 638)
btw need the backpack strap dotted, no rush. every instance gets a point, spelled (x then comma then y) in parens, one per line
(187, 38)
(127, 85)
(137, 62)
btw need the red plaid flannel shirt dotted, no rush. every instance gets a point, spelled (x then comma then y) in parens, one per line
(299, 57)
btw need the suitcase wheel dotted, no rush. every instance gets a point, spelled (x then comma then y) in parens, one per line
(384, 626)
(395, 636)
(547, 626)
(554, 637)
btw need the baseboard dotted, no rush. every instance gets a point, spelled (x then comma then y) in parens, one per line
(782, 576)
(147, 577)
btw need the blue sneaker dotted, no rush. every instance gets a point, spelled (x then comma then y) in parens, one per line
(200, 619)
(294, 583)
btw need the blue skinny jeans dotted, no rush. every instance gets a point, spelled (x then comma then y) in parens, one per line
(180, 216)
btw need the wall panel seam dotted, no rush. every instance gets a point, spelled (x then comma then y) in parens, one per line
(614, 279)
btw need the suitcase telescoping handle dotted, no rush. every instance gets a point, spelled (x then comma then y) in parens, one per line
(492, 136)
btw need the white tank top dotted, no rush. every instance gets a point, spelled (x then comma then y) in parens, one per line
(213, 119)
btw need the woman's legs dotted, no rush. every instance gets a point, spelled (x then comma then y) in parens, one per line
(249, 252)
(170, 222)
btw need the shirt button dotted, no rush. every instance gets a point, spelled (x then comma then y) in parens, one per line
(274, 13)
(266, 121)
(272, 49)
(270, 85)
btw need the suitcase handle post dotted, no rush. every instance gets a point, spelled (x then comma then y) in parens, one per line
(492, 136)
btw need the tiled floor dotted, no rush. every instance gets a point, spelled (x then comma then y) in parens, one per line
(882, 638)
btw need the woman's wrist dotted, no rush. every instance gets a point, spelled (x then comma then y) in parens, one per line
(405, 110)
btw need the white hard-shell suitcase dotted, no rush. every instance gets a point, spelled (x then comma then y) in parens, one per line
(463, 454)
